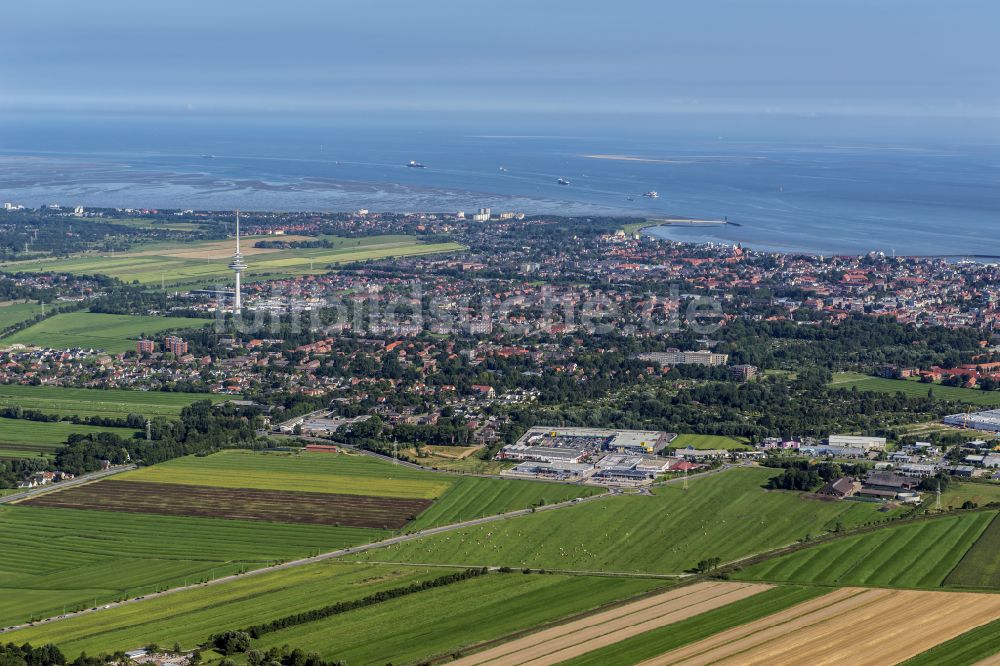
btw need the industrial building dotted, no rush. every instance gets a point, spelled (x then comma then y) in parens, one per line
(854, 441)
(546, 454)
(596, 454)
(988, 420)
(596, 439)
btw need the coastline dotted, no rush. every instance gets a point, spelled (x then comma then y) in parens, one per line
(648, 227)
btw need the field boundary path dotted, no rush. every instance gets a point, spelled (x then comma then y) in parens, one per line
(63, 485)
(322, 557)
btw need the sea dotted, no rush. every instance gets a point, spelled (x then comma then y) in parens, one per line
(791, 185)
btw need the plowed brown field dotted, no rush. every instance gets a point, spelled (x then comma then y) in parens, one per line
(237, 503)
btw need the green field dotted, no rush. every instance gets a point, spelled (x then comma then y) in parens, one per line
(513, 603)
(471, 497)
(849, 380)
(726, 515)
(965, 650)
(458, 497)
(444, 620)
(981, 565)
(207, 263)
(709, 442)
(34, 437)
(110, 332)
(980, 493)
(63, 558)
(660, 641)
(190, 617)
(97, 402)
(15, 313)
(307, 472)
(919, 555)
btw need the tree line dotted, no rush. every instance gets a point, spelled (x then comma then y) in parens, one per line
(256, 631)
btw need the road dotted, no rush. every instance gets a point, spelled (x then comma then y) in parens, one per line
(63, 485)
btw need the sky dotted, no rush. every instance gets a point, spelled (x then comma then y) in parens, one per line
(934, 58)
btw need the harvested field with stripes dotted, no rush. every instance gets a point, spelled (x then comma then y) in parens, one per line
(555, 645)
(237, 504)
(850, 625)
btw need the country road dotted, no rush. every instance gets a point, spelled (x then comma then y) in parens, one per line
(353, 550)
(63, 485)
(321, 557)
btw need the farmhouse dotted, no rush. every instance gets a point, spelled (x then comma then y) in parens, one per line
(840, 488)
(887, 484)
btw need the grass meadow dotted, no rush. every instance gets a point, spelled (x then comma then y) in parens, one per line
(111, 332)
(12, 314)
(191, 616)
(207, 263)
(419, 628)
(32, 438)
(726, 515)
(919, 555)
(850, 380)
(98, 402)
(55, 559)
(306, 472)
(709, 442)
(980, 567)
(442, 621)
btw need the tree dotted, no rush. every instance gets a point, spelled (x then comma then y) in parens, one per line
(708, 564)
(231, 642)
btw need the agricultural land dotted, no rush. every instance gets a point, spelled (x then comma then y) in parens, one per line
(20, 438)
(725, 515)
(90, 330)
(206, 263)
(109, 403)
(910, 387)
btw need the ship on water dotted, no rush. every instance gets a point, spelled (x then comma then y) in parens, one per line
(416, 165)
(652, 194)
(563, 181)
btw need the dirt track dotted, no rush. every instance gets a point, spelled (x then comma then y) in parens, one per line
(566, 641)
(850, 625)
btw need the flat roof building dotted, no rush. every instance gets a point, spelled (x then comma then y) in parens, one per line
(855, 441)
(988, 420)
